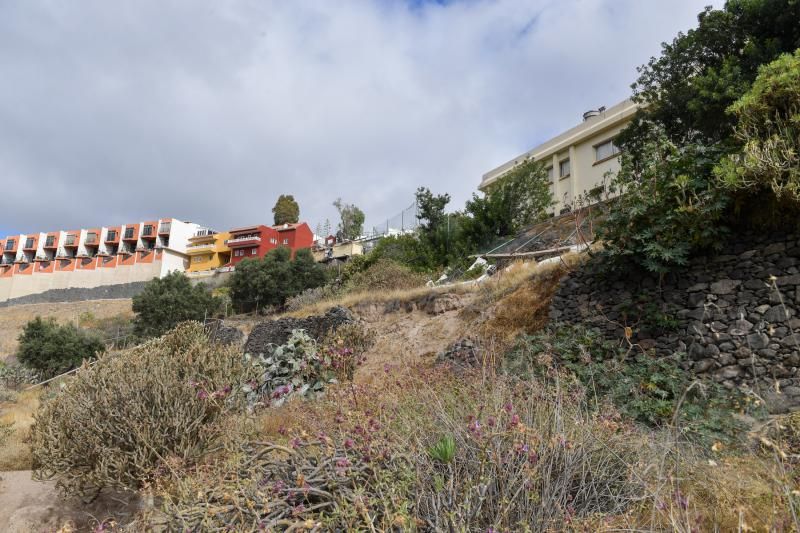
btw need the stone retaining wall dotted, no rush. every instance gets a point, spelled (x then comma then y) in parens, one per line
(732, 317)
(80, 294)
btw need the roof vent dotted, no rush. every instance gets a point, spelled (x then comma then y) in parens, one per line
(591, 114)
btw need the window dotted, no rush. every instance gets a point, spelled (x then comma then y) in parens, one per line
(238, 253)
(605, 150)
(112, 235)
(148, 230)
(550, 174)
(129, 233)
(10, 243)
(29, 242)
(285, 241)
(273, 240)
(91, 238)
(253, 251)
(51, 240)
(563, 168)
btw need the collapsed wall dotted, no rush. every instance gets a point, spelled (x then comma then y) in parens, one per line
(732, 318)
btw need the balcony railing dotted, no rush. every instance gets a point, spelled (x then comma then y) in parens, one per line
(92, 239)
(255, 238)
(165, 228)
(71, 240)
(148, 231)
(198, 247)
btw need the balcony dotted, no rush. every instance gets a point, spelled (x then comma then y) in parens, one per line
(112, 235)
(197, 248)
(164, 228)
(244, 240)
(71, 241)
(149, 232)
(92, 239)
(30, 244)
(130, 235)
(51, 242)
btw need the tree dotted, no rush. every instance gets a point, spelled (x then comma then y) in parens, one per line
(769, 129)
(514, 202)
(351, 224)
(166, 302)
(53, 349)
(270, 281)
(672, 205)
(286, 210)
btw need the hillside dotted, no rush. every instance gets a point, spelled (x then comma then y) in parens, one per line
(13, 319)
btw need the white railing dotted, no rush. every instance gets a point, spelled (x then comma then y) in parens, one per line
(194, 247)
(244, 239)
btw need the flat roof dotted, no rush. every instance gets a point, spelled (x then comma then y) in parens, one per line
(607, 118)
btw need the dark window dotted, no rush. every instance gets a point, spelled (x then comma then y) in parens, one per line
(129, 233)
(564, 168)
(10, 243)
(148, 230)
(91, 238)
(29, 242)
(112, 235)
(51, 240)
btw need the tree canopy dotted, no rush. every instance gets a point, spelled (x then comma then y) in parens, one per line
(52, 349)
(166, 302)
(286, 210)
(351, 220)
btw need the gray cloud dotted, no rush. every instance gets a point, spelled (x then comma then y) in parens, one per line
(113, 112)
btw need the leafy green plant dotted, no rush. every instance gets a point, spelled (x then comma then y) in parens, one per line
(166, 302)
(769, 129)
(271, 280)
(444, 450)
(648, 389)
(286, 210)
(294, 368)
(117, 422)
(51, 349)
(384, 275)
(13, 376)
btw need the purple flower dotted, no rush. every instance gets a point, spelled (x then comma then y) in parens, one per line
(508, 407)
(202, 394)
(348, 443)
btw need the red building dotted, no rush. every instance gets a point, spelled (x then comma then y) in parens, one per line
(256, 241)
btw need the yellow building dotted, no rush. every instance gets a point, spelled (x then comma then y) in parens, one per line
(579, 161)
(208, 250)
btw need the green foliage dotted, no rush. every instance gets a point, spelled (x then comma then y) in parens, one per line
(51, 349)
(517, 200)
(271, 280)
(444, 450)
(166, 302)
(650, 390)
(702, 72)
(286, 210)
(670, 208)
(344, 349)
(14, 376)
(381, 275)
(769, 129)
(117, 422)
(673, 206)
(289, 369)
(351, 221)
(408, 250)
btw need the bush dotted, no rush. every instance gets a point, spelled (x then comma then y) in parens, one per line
(166, 302)
(52, 349)
(118, 421)
(384, 275)
(344, 349)
(271, 280)
(769, 129)
(310, 297)
(13, 376)
(649, 390)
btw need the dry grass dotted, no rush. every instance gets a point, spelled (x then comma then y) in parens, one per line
(15, 453)
(13, 319)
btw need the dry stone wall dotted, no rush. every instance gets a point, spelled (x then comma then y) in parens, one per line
(732, 317)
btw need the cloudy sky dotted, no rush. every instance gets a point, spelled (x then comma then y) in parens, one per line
(115, 112)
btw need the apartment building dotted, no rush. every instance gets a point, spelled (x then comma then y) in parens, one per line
(256, 241)
(94, 257)
(578, 161)
(208, 250)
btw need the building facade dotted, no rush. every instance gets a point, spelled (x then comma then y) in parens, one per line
(579, 161)
(208, 250)
(94, 257)
(255, 241)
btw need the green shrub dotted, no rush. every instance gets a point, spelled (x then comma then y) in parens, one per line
(444, 450)
(651, 390)
(117, 422)
(13, 376)
(168, 301)
(384, 275)
(271, 280)
(769, 129)
(51, 349)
